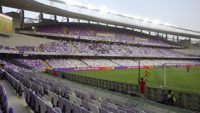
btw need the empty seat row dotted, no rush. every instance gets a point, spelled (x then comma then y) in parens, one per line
(37, 104)
(16, 84)
(4, 101)
(67, 100)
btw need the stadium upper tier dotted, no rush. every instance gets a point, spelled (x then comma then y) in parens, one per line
(97, 33)
(97, 49)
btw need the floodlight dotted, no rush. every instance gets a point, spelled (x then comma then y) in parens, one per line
(137, 17)
(78, 4)
(33, 28)
(68, 2)
(145, 20)
(71, 2)
(114, 12)
(104, 9)
(127, 15)
(155, 22)
(90, 6)
(166, 24)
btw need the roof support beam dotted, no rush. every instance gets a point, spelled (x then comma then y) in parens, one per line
(166, 37)
(1, 9)
(21, 18)
(173, 38)
(41, 17)
(177, 38)
(190, 40)
(55, 18)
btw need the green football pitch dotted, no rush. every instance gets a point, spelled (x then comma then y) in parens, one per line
(176, 78)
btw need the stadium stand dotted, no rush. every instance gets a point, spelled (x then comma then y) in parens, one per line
(99, 62)
(3, 99)
(39, 91)
(57, 49)
(39, 65)
(95, 33)
(101, 49)
(66, 63)
(36, 64)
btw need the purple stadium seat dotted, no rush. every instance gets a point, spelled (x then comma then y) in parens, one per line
(57, 110)
(61, 102)
(114, 110)
(102, 110)
(11, 110)
(55, 99)
(50, 109)
(121, 108)
(76, 109)
(68, 106)
(131, 111)
(85, 110)
(42, 104)
(120, 111)
(105, 106)
(85, 104)
(37, 105)
(93, 108)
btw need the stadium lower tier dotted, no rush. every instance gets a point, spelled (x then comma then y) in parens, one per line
(177, 78)
(5, 107)
(93, 64)
(66, 97)
(49, 95)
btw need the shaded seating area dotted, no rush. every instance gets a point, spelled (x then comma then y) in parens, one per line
(4, 106)
(46, 95)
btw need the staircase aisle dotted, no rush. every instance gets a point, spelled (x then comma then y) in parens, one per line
(19, 105)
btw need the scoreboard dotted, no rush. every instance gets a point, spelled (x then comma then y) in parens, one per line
(6, 25)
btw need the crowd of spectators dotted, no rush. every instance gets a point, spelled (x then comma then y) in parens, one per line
(100, 49)
(66, 63)
(63, 47)
(125, 62)
(26, 48)
(6, 48)
(107, 49)
(38, 65)
(99, 63)
(99, 34)
(35, 63)
(12, 66)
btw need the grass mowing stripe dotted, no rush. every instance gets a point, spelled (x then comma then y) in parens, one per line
(177, 78)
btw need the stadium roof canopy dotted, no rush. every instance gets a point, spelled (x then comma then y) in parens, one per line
(35, 6)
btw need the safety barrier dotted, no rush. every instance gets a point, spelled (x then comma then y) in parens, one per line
(186, 100)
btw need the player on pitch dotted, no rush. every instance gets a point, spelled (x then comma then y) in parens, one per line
(146, 73)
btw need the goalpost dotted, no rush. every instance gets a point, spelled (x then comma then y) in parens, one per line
(176, 65)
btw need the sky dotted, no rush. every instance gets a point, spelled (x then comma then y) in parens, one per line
(182, 13)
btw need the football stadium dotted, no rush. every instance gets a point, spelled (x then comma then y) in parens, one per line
(65, 56)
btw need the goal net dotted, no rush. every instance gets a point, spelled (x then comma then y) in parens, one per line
(183, 76)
